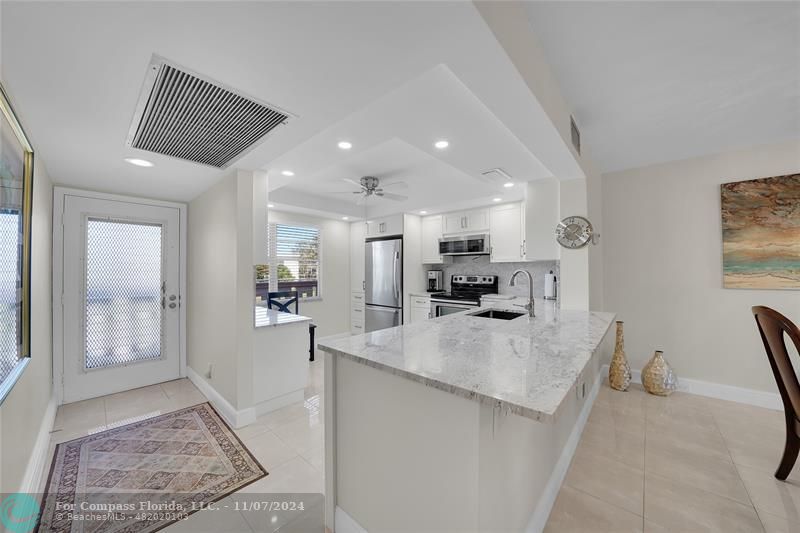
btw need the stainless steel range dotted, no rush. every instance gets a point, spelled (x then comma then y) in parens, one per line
(465, 293)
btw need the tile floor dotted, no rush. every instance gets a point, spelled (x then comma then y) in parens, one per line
(679, 464)
(288, 442)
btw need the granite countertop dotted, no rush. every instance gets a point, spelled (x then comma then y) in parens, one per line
(265, 316)
(526, 366)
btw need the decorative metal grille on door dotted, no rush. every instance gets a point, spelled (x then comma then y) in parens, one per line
(9, 291)
(123, 319)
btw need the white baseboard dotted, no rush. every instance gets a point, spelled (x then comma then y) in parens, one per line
(236, 419)
(31, 480)
(768, 400)
(344, 523)
(540, 515)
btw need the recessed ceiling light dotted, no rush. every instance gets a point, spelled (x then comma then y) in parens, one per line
(345, 145)
(497, 199)
(138, 162)
(441, 145)
(287, 173)
(345, 218)
(508, 184)
(270, 205)
(423, 212)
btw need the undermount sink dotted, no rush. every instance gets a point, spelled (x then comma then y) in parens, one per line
(498, 314)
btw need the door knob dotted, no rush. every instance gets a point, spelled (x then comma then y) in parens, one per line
(173, 305)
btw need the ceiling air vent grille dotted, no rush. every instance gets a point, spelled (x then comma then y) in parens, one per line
(182, 115)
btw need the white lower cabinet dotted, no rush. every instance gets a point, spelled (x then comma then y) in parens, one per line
(357, 310)
(420, 308)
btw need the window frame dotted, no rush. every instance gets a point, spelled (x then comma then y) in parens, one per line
(273, 259)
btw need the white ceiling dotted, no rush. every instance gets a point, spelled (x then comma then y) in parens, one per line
(393, 139)
(74, 71)
(657, 81)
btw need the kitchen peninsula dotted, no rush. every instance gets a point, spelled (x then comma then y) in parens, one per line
(460, 423)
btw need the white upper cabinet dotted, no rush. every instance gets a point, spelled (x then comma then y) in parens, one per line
(431, 233)
(542, 214)
(473, 221)
(507, 232)
(380, 227)
(358, 231)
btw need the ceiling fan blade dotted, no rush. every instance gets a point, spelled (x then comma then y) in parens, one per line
(345, 192)
(396, 184)
(353, 182)
(392, 196)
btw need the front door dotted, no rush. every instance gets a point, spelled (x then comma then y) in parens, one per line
(121, 301)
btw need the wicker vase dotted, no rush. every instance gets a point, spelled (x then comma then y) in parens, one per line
(619, 372)
(658, 377)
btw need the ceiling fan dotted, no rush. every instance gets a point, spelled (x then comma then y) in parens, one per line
(371, 186)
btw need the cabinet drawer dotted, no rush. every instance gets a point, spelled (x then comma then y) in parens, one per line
(357, 314)
(356, 329)
(420, 302)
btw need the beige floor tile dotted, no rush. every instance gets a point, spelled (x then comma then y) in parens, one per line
(680, 415)
(285, 415)
(617, 418)
(676, 506)
(712, 475)
(293, 476)
(251, 430)
(619, 445)
(763, 453)
(178, 386)
(779, 498)
(269, 450)
(776, 524)
(301, 434)
(315, 456)
(577, 512)
(80, 415)
(690, 440)
(609, 480)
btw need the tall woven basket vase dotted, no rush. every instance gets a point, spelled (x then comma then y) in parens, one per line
(619, 372)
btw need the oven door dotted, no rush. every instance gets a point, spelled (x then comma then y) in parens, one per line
(441, 308)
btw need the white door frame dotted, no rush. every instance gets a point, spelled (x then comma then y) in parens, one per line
(59, 194)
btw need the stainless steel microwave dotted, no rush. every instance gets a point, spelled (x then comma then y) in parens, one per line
(465, 245)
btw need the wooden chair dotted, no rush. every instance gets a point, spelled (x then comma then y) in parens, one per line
(282, 301)
(772, 326)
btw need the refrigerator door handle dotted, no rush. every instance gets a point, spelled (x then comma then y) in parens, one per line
(394, 278)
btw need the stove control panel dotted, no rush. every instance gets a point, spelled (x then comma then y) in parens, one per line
(478, 280)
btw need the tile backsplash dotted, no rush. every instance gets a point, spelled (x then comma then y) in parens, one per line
(480, 264)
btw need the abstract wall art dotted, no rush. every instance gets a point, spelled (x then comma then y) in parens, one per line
(761, 233)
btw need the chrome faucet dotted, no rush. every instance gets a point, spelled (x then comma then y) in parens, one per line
(512, 283)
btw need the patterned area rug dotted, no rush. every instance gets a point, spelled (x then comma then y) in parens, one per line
(145, 475)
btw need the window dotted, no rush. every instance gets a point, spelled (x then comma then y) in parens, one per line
(294, 260)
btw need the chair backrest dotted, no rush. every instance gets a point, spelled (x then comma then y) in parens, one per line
(288, 297)
(772, 325)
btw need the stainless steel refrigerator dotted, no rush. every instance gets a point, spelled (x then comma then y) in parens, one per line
(384, 283)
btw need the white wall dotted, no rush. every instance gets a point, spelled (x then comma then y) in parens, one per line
(663, 266)
(211, 286)
(331, 313)
(24, 408)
